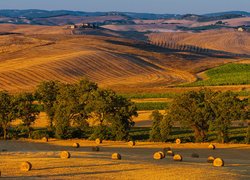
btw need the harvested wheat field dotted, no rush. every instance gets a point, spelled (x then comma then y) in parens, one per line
(137, 162)
(43, 53)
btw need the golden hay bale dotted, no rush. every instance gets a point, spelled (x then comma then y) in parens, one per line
(131, 143)
(211, 146)
(98, 141)
(195, 155)
(65, 155)
(170, 153)
(210, 159)
(76, 145)
(95, 148)
(163, 154)
(158, 155)
(178, 141)
(26, 166)
(45, 139)
(218, 162)
(177, 157)
(116, 156)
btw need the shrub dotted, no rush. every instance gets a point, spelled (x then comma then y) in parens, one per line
(39, 134)
(102, 132)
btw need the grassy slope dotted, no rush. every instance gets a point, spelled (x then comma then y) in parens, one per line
(229, 74)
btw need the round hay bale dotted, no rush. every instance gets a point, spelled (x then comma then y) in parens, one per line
(158, 155)
(210, 159)
(131, 143)
(116, 156)
(76, 145)
(177, 157)
(170, 153)
(26, 166)
(98, 141)
(178, 141)
(211, 146)
(95, 148)
(45, 139)
(195, 155)
(163, 154)
(65, 155)
(218, 162)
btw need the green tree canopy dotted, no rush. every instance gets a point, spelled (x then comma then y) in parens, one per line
(27, 109)
(46, 92)
(8, 110)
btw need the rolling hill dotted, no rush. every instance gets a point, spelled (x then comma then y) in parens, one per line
(37, 53)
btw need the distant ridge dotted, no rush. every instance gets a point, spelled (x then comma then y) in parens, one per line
(65, 17)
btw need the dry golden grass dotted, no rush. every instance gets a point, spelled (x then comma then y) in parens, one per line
(136, 163)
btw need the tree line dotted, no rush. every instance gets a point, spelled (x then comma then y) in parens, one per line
(70, 109)
(202, 111)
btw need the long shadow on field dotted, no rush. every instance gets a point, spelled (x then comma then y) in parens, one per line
(154, 48)
(89, 165)
(72, 174)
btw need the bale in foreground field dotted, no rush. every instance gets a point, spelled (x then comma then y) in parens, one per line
(195, 155)
(158, 155)
(210, 159)
(45, 139)
(76, 145)
(178, 141)
(65, 155)
(177, 157)
(131, 143)
(218, 162)
(26, 166)
(95, 148)
(98, 141)
(116, 156)
(211, 146)
(170, 153)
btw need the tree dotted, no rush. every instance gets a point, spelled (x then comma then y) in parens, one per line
(8, 111)
(226, 107)
(73, 106)
(27, 110)
(155, 133)
(46, 93)
(192, 109)
(115, 112)
(165, 128)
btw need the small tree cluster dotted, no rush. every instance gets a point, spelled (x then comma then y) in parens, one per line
(78, 104)
(204, 110)
(17, 106)
(161, 127)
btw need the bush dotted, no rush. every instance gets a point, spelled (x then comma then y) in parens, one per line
(39, 134)
(101, 132)
(23, 131)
